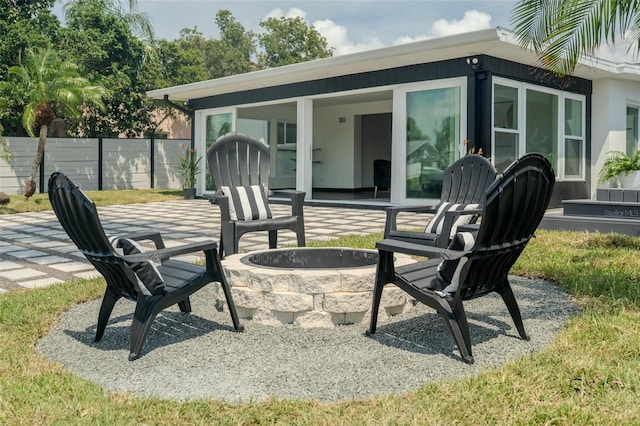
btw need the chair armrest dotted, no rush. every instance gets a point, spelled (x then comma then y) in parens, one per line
(148, 235)
(419, 249)
(392, 215)
(165, 253)
(223, 202)
(449, 219)
(211, 198)
(297, 199)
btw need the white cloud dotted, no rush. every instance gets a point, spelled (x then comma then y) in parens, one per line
(337, 35)
(471, 21)
(338, 38)
(294, 12)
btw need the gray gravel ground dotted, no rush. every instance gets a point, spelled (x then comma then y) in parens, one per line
(195, 356)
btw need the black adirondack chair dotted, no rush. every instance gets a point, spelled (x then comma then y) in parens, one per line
(463, 185)
(79, 218)
(239, 165)
(513, 207)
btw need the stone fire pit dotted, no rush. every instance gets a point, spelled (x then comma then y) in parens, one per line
(310, 287)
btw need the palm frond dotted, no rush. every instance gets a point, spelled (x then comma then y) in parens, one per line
(560, 31)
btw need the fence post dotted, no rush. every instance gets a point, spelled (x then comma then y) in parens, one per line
(152, 165)
(41, 180)
(100, 168)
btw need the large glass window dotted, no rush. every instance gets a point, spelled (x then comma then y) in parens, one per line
(286, 140)
(542, 124)
(216, 125)
(529, 118)
(505, 123)
(573, 138)
(433, 139)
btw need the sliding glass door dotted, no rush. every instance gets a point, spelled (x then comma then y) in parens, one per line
(432, 121)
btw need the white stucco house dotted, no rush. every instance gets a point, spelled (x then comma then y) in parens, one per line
(422, 105)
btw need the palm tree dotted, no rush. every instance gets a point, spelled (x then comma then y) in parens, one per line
(52, 88)
(559, 31)
(138, 22)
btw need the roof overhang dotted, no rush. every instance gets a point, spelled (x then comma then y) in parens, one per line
(496, 42)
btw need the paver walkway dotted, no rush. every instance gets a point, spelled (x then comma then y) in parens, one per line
(35, 251)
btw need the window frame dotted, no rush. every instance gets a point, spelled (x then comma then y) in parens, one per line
(522, 124)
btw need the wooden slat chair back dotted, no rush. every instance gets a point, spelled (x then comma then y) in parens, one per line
(513, 207)
(239, 160)
(463, 183)
(79, 218)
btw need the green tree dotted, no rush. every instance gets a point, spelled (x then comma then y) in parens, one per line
(138, 22)
(26, 23)
(53, 88)
(560, 31)
(101, 41)
(289, 41)
(232, 53)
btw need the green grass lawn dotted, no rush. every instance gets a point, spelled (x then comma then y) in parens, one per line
(40, 202)
(589, 375)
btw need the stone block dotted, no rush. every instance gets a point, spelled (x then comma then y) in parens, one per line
(313, 319)
(355, 318)
(392, 296)
(247, 298)
(343, 302)
(358, 280)
(318, 301)
(272, 318)
(288, 302)
(313, 281)
(279, 281)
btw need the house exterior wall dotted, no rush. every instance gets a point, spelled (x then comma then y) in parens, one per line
(610, 100)
(331, 136)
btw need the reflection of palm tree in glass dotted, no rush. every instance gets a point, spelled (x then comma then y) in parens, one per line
(444, 134)
(224, 129)
(414, 133)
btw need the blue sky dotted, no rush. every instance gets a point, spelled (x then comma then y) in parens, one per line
(348, 25)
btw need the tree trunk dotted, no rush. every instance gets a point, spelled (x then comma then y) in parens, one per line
(30, 184)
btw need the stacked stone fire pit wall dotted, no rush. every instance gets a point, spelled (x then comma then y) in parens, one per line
(311, 296)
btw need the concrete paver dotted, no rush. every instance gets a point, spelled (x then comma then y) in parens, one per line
(35, 251)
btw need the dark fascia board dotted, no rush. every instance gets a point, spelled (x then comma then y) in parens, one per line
(457, 67)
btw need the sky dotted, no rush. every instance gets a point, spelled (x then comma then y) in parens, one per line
(348, 25)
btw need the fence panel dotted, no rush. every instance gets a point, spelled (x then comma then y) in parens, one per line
(77, 158)
(126, 163)
(13, 174)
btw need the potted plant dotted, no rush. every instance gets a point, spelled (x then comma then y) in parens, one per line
(189, 167)
(625, 168)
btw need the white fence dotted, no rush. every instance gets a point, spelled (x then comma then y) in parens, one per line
(95, 163)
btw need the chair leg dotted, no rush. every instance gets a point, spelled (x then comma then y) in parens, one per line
(300, 233)
(213, 262)
(185, 305)
(228, 239)
(142, 319)
(384, 274)
(460, 330)
(510, 300)
(273, 239)
(108, 302)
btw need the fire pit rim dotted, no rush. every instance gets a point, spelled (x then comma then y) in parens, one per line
(245, 260)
